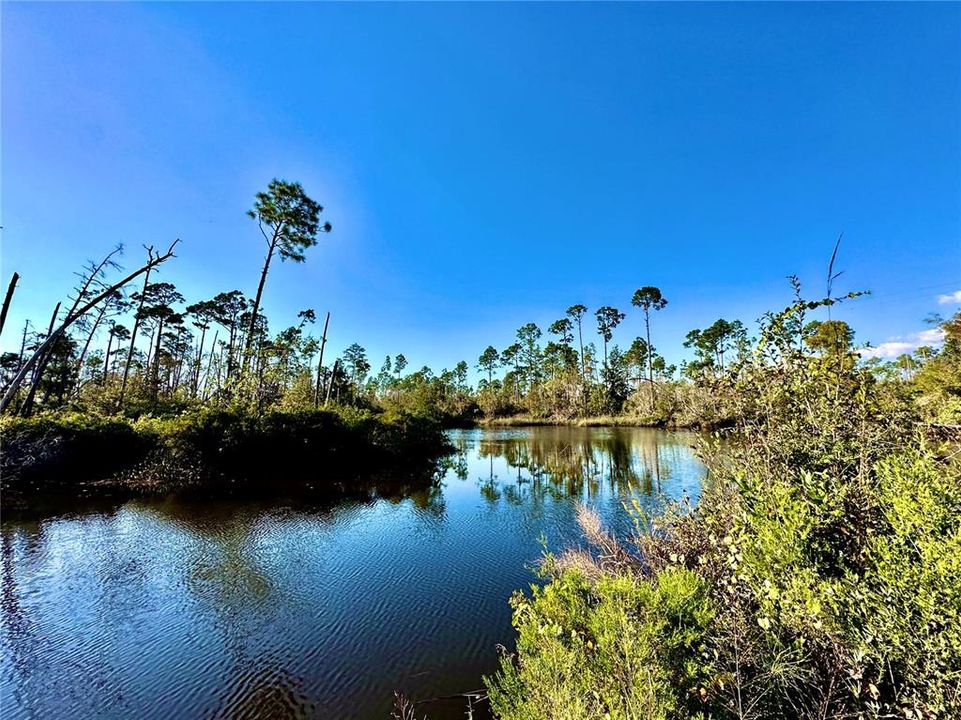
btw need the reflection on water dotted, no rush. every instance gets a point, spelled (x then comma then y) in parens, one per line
(250, 609)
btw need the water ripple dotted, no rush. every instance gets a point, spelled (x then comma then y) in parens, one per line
(275, 610)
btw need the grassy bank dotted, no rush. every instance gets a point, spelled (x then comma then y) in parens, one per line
(83, 455)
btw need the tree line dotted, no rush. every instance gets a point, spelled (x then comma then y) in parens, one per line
(125, 345)
(138, 345)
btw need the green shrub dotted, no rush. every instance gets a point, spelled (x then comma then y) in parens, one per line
(902, 614)
(63, 449)
(618, 647)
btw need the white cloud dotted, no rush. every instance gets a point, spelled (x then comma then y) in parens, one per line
(900, 345)
(887, 350)
(933, 336)
(950, 298)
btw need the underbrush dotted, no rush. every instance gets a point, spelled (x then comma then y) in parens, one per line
(49, 453)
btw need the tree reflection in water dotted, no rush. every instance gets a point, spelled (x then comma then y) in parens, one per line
(578, 462)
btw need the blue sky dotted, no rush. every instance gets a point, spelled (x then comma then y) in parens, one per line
(487, 165)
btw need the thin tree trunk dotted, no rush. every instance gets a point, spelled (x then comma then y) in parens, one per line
(210, 360)
(199, 363)
(580, 341)
(261, 368)
(148, 359)
(27, 407)
(86, 345)
(320, 362)
(133, 340)
(181, 358)
(256, 307)
(330, 385)
(7, 298)
(650, 356)
(106, 359)
(23, 344)
(230, 350)
(155, 375)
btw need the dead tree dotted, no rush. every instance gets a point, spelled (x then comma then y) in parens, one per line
(133, 334)
(83, 292)
(320, 363)
(330, 385)
(6, 300)
(39, 366)
(76, 312)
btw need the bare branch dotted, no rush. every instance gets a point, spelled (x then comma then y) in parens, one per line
(74, 314)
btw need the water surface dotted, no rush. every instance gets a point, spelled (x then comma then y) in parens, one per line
(176, 608)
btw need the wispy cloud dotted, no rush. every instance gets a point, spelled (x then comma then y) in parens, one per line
(900, 345)
(950, 298)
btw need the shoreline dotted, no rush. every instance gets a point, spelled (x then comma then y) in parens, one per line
(50, 458)
(591, 421)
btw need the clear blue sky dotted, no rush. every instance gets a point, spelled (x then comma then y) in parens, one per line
(487, 165)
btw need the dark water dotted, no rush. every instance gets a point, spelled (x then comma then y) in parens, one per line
(237, 609)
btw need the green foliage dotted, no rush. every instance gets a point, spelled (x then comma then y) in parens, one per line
(288, 218)
(620, 647)
(938, 382)
(826, 554)
(207, 447)
(44, 450)
(236, 445)
(903, 613)
(445, 399)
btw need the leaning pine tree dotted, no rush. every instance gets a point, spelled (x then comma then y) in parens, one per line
(290, 222)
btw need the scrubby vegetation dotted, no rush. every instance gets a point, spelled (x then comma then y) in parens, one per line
(819, 576)
(322, 451)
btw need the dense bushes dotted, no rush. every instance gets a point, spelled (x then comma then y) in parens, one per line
(207, 446)
(240, 445)
(67, 447)
(617, 646)
(818, 577)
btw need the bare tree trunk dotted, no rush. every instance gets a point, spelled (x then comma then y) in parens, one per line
(86, 345)
(650, 355)
(155, 374)
(133, 339)
(230, 351)
(580, 341)
(256, 307)
(330, 384)
(182, 356)
(72, 317)
(23, 344)
(320, 362)
(6, 300)
(199, 363)
(213, 351)
(41, 365)
(106, 359)
(148, 359)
